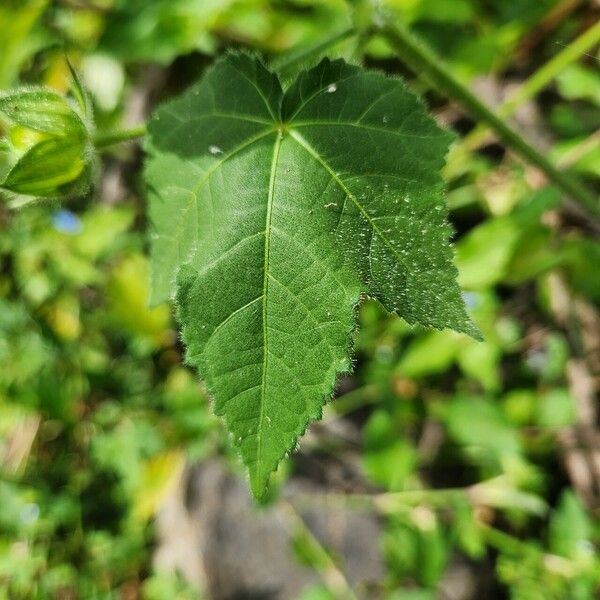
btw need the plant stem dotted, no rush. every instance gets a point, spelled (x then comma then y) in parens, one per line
(497, 492)
(538, 81)
(503, 542)
(351, 401)
(333, 578)
(577, 48)
(580, 150)
(424, 62)
(387, 503)
(109, 138)
(293, 59)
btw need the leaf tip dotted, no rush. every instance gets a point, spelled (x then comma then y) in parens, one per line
(259, 483)
(476, 334)
(472, 330)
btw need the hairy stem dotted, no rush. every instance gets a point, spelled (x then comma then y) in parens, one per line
(293, 59)
(424, 62)
(109, 138)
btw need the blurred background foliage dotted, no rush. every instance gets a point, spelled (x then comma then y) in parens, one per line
(484, 450)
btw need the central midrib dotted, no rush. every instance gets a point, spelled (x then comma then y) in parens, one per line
(266, 275)
(263, 387)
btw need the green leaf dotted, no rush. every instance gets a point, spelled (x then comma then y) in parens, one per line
(571, 528)
(556, 409)
(19, 40)
(484, 255)
(433, 352)
(160, 30)
(579, 82)
(274, 213)
(477, 423)
(389, 459)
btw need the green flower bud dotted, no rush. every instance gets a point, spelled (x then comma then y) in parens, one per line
(52, 152)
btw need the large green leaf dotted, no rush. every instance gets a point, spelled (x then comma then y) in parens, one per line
(273, 214)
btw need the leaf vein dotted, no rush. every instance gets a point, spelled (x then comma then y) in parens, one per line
(360, 125)
(269, 214)
(312, 152)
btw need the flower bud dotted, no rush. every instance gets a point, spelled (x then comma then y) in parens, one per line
(51, 147)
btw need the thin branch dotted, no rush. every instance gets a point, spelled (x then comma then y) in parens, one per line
(424, 62)
(110, 138)
(498, 492)
(291, 60)
(332, 576)
(575, 154)
(512, 546)
(537, 82)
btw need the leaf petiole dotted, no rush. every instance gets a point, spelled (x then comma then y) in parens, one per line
(109, 138)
